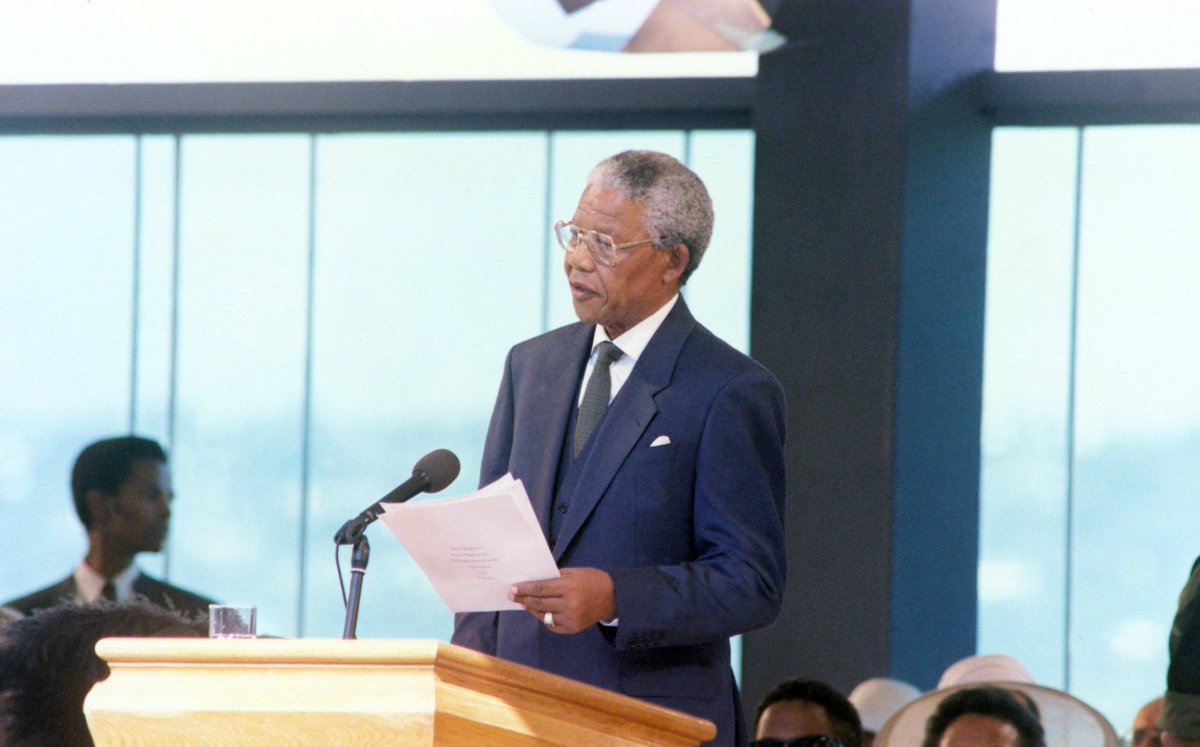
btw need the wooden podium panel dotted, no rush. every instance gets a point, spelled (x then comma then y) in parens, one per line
(199, 691)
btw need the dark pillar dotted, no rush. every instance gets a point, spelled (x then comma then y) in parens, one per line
(870, 234)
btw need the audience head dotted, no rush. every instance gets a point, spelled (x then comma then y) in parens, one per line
(983, 717)
(1066, 721)
(876, 700)
(806, 708)
(48, 664)
(1144, 732)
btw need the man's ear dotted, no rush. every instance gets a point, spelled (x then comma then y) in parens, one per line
(677, 264)
(99, 505)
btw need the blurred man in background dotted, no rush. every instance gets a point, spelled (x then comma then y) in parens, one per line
(122, 492)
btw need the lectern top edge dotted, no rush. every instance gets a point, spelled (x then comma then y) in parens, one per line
(447, 671)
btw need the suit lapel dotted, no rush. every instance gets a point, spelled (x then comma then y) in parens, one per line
(555, 391)
(627, 418)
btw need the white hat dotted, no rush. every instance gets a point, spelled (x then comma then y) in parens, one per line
(878, 698)
(1068, 721)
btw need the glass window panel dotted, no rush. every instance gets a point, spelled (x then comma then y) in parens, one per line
(1096, 34)
(429, 257)
(1136, 426)
(243, 254)
(66, 227)
(1026, 378)
(1138, 413)
(424, 272)
(156, 267)
(719, 291)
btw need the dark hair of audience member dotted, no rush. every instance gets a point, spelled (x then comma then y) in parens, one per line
(1027, 701)
(48, 664)
(847, 726)
(992, 702)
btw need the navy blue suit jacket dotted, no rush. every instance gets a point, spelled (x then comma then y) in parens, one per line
(691, 531)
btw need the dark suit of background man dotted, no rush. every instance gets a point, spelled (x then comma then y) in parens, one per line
(668, 524)
(122, 491)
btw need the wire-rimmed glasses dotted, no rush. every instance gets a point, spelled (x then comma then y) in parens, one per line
(600, 246)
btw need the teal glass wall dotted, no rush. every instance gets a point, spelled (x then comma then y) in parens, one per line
(1091, 412)
(300, 318)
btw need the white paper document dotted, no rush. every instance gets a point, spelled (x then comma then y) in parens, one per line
(473, 548)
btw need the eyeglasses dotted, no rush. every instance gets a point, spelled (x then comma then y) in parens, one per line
(599, 245)
(815, 740)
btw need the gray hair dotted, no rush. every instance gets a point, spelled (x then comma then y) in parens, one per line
(678, 208)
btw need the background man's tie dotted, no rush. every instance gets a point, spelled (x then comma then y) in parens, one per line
(595, 396)
(109, 591)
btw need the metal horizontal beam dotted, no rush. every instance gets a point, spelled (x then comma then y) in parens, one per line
(1091, 97)
(688, 103)
(1070, 98)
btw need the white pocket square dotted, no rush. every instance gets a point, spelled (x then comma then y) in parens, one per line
(660, 441)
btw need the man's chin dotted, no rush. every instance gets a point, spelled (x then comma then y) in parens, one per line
(589, 311)
(584, 313)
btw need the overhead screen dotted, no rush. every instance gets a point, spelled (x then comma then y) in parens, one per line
(147, 41)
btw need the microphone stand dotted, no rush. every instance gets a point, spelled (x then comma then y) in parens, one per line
(358, 568)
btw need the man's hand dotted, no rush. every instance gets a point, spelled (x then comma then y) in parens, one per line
(576, 601)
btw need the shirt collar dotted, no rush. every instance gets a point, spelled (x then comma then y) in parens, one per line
(89, 584)
(634, 340)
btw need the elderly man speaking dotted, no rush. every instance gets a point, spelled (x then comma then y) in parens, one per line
(653, 455)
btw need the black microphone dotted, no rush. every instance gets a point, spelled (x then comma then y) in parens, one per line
(433, 472)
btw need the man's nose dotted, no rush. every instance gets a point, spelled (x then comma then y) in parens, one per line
(581, 259)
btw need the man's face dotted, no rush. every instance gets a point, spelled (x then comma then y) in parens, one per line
(788, 719)
(619, 297)
(973, 730)
(136, 519)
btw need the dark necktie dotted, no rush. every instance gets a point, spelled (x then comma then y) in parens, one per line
(109, 591)
(595, 396)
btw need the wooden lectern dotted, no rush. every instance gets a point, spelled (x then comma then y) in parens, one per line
(200, 691)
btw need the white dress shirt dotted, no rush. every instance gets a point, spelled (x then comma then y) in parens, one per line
(632, 343)
(89, 584)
